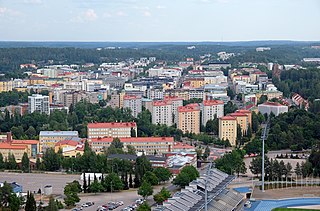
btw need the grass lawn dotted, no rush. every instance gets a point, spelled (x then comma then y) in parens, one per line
(290, 209)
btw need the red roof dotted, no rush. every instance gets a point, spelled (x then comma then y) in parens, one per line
(228, 118)
(189, 108)
(179, 145)
(172, 98)
(212, 102)
(162, 103)
(135, 139)
(25, 142)
(238, 114)
(9, 146)
(67, 142)
(243, 111)
(131, 97)
(112, 124)
(272, 104)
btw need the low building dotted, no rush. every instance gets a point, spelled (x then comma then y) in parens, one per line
(69, 148)
(16, 150)
(182, 147)
(112, 129)
(177, 160)
(272, 107)
(48, 139)
(148, 145)
(300, 101)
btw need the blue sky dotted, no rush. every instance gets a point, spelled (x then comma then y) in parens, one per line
(159, 20)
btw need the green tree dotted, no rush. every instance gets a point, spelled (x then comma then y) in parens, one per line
(25, 163)
(131, 150)
(11, 163)
(71, 191)
(95, 187)
(144, 207)
(145, 190)
(112, 182)
(52, 206)
(2, 163)
(182, 179)
(30, 203)
(206, 153)
(151, 178)
(14, 202)
(51, 160)
(162, 173)
(5, 193)
(163, 195)
(31, 132)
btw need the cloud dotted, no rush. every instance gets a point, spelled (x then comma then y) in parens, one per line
(161, 7)
(121, 14)
(33, 1)
(87, 16)
(146, 13)
(90, 15)
(4, 11)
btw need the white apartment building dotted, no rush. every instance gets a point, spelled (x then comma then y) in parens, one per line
(210, 109)
(176, 103)
(38, 103)
(274, 107)
(162, 112)
(134, 103)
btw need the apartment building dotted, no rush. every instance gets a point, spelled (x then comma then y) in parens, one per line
(112, 129)
(210, 109)
(176, 102)
(189, 118)
(134, 103)
(272, 107)
(162, 112)
(38, 103)
(228, 129)
(48, 139)
(242, 120)
(148, 145)
(5, 86)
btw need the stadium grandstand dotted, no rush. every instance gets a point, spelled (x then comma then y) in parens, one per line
(192, 197)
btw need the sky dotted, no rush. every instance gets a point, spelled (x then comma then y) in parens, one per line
(159, 20)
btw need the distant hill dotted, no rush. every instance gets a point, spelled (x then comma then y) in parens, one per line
(18, 44)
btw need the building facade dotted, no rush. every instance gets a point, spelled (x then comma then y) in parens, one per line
(38, 103)
(162, 112)
(112, 129)
(272, 107)
(134, 103)
(189, 118)
(228, 129)
(212, 109)
(148, 145)
(48, 139)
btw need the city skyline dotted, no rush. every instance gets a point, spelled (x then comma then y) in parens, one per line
(159, 21)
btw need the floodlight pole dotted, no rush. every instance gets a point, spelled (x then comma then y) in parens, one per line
(206, 189)
(263, 139)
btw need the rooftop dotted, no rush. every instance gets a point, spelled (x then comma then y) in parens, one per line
(271, 104)
(189, 108)
(162, 103)
(58, 133)
(9, 146)
(212, 102)
(112, 125)
(135, 139)
(67, 142)
(228, 118)
(131, 97)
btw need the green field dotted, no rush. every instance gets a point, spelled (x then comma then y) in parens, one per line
(290, 209)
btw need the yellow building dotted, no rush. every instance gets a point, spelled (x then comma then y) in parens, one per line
(248, 113)
(242, 120)
(69, 148)
(48, 139)
(36, 80)
(121, 96)
(195, 82)
(16, 150)
(228, 129)
(5, 86)
(189, 118)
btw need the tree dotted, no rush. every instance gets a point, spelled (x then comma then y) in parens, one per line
(298, 170)
(25, 163)
(163, 195)
(256, 166)
(95, 187)
(112, 182)
(5, 193)
(206, 153)
(31, 132)
(162, 173)
(11, 164)
(38, 164)
(52, 206)
(144, 207)
(30, 203)
(71, 191)
(85, 186)
(51, 160)
(151, 178)
(2, 163)
(14, 202)
(145, 190)
(187, 174)
(131, 150)
(141, 167)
